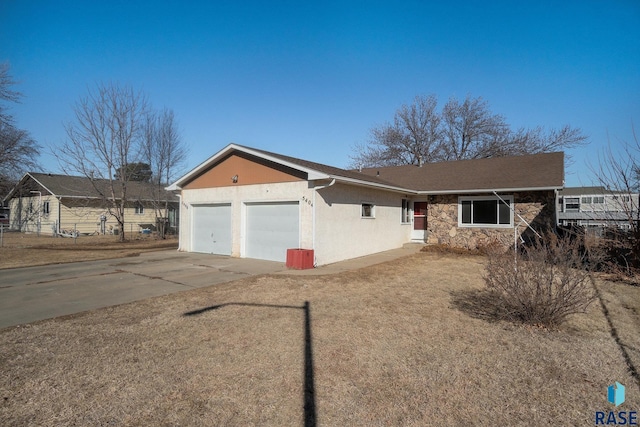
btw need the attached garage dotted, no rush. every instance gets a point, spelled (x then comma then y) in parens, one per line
(271, 229)
(211, 232)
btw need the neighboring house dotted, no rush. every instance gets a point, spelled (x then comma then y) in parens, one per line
(4, 215)
(246, 202)
(596, 207)
(49, 204)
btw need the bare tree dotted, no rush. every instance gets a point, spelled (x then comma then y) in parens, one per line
(413, 137)
(166, 152)
(538, 140)
(105, 137)
(18, 150)
(473, 131)
(618, 172)
(461, 130)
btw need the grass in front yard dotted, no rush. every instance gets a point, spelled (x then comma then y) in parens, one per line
(400, 343)
(28, 250)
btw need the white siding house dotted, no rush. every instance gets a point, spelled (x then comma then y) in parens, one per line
(246, 202)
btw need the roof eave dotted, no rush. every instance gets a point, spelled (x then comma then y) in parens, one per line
(371, 184)
(489, 190)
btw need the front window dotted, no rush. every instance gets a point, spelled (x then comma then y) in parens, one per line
(139, 209)
(485, 212)
(405, 211)
(367, 210)
(45, 208)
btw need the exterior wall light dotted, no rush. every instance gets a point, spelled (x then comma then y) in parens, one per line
(234, 179)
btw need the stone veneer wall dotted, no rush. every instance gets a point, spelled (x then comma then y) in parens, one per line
(442, 220)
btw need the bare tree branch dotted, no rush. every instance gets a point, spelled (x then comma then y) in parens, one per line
(618, 173)
(18, 150)
(105, 137)
(461, 130)
(165, 151)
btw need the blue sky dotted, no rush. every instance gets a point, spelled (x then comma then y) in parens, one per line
(310, 79)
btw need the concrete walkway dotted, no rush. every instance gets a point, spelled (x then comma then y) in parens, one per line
(357, 263)
(36, 293)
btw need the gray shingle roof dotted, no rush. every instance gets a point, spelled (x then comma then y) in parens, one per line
(82, 187)
(544, 170)
(329, 170)
(578, 191)
(532, 172)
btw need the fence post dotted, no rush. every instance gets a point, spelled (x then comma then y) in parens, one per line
(75, 234)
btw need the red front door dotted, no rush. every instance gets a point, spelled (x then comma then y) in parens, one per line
(420, 216)
(419, 220)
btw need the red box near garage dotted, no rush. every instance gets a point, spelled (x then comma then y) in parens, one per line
(300, 259)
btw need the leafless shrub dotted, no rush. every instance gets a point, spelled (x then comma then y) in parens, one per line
(544, 282)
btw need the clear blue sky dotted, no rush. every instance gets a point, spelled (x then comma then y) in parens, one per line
(310, 79)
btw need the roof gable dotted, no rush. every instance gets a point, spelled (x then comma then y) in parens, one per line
(312, 170)
(239, 168)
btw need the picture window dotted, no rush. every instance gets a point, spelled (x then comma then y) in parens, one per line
(485, 212)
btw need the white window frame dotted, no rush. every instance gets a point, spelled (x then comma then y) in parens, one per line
(373, 210)
(571, 200)
(138, 209)
(405, 212)
(484, 198)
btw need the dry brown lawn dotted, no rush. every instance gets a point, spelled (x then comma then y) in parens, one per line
(406, 343)
(24, 250)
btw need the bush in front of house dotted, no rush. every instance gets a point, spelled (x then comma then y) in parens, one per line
(543, 282)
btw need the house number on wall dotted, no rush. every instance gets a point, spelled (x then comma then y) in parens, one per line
(307, 201)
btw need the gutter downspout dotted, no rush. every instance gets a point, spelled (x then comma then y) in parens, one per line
(555, 210)
(313, 235)
(59, 215)
(179, 222)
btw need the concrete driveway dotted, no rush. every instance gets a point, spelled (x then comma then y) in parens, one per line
(36, 293)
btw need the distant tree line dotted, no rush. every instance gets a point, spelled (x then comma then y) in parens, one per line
(468, 129)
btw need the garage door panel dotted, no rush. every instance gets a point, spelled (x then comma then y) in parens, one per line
(212, 229)
(271, 229)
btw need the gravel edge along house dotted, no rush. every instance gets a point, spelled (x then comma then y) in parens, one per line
(246, 202)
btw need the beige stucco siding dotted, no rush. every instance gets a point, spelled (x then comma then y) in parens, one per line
(238, 196)
(342, 233)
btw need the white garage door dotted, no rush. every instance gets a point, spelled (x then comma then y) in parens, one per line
(211, 229)
(271, 229)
